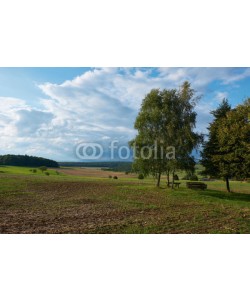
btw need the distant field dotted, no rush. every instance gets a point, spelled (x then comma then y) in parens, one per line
(94, 172)
(83, 200)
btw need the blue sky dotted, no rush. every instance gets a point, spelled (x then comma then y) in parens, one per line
(49, 111)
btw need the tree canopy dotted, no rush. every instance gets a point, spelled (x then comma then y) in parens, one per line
(227, 152)
(166, 134)
(211, 145)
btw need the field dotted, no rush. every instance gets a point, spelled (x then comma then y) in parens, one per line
(84, 200)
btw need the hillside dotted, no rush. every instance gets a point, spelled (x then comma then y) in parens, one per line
(27, 161)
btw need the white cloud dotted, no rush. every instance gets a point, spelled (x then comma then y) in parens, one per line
(221, 95)
(99, 105)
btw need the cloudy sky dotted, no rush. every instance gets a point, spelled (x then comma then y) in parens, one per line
(49, 111)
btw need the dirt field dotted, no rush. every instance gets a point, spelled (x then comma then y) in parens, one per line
(94, 172)
(65, 204)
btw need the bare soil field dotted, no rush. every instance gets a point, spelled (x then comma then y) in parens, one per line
(94, 172)
(63, 204)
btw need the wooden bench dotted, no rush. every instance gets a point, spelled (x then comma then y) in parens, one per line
(175, 184)
(196, 185)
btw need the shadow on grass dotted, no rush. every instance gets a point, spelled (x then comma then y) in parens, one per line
(227, 196)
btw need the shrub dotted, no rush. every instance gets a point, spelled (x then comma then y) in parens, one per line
(140, 176)
(193, 178)
(46, 173)
(110, 176)
(126, 173)
(176, 177)
(43, 168)
(115, 177)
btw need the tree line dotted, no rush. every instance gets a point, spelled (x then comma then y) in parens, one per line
(27, 161)
(167, 119)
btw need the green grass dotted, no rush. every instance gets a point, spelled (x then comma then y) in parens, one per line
(36, 203)
(23, 171)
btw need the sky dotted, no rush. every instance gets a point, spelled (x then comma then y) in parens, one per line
(48, 112)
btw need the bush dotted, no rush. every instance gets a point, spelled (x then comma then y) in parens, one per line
(126, 173)
(140, 176)
(176, 177)
(115, 177)
(110, 176)
(33, 170)
(46, 173)
(193, 178)
(43, 168)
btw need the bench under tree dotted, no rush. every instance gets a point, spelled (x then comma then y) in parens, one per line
(196, 185)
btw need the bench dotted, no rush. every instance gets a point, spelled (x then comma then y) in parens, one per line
(175, 184)
(196, 185)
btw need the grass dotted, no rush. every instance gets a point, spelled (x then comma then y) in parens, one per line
(36, 203)
(23, 171)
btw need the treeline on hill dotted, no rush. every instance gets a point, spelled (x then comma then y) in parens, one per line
(27, 161)
(109, 166)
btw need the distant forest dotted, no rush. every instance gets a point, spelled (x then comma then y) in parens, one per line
(27, 161)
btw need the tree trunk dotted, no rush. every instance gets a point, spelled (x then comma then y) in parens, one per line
(227, 183)
(158, 179)
(168, 180)
(173, 180)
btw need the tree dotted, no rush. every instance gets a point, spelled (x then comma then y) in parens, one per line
(231, 153)
(233, 157)
(211, 145)
(166, 134)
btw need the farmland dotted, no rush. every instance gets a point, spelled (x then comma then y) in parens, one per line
(84, 200)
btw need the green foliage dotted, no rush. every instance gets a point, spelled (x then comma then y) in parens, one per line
(115, 177)
(228, 151)
(42, 168)
(211, 146)
(193, 177)
(166, 134)
(233, 133)
(46, 173)
(26, 161)
(140, 176)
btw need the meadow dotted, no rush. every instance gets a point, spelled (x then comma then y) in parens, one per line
(86, 200)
